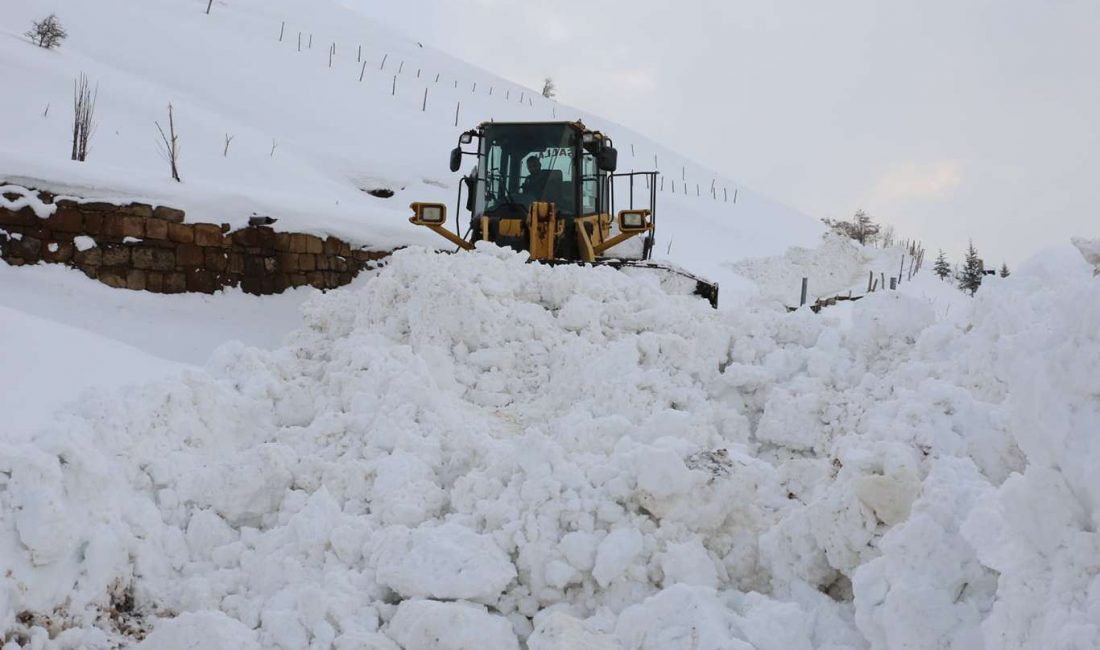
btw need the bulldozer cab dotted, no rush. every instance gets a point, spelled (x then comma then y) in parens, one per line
(560, 164)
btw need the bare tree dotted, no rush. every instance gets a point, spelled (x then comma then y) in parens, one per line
(888, 237)
(169, 145)
(47, 32)
(228, 139)
(549, 88)
(83, 116)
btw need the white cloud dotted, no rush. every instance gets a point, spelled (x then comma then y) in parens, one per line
(917, 181)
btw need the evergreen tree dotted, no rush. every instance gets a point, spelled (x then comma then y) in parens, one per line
(971, 277)
(549, 88)
(1004, 270)
(942, 268)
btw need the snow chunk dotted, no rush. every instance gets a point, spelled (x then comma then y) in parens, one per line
(83, 243)
(245, 486)
(556, 630)
(689, 564)
(680, 618)
(432, 625)
(616, 553)
(405, 490)
(205, 629)
(207, 531)
(579, 549)
(448, 561)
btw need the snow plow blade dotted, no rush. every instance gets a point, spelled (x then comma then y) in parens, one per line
(673, 279)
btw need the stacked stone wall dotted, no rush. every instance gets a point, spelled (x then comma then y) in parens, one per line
(142, 247)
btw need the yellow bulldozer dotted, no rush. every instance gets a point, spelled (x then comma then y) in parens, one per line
(548, 188)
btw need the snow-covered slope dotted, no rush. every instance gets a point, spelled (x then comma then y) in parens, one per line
(470, 451)
(227, 74)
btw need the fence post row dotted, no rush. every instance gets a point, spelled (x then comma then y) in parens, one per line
(915, 261)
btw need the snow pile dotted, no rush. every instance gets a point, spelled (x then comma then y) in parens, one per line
(835, 266)
(1090, 250)
(473, 452)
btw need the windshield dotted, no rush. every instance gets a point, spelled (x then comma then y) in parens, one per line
(529, 162)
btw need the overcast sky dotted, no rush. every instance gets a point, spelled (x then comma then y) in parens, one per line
(951, 119)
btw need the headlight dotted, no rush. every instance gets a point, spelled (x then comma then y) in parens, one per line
(632, 220)
(432, 214)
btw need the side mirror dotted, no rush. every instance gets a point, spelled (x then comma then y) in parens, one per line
(608, 159)
(471, 189)
(633, 220)
(466, 138)
(456, 158)
(428, 214)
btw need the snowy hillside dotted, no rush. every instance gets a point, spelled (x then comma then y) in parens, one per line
(334, 136)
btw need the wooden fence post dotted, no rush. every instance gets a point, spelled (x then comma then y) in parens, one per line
(805, 286)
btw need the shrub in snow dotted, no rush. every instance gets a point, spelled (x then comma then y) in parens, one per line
(168, 145)
(83, 116)
(861, 228)
(47, 32)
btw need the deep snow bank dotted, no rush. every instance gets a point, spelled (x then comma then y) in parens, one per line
(471, 451)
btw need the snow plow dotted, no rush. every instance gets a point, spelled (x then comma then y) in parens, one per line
(548, 189)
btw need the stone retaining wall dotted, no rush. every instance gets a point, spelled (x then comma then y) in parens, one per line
(141, 247)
